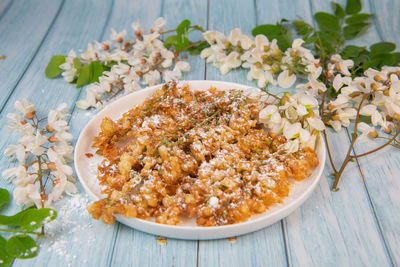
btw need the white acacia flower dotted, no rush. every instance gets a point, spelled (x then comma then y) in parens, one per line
(18, 124)
(367, 132)
(261, 41)
(25, 107)
(291, 131)
(33, 143)
(342, 66)
(117, 36)
(286, 79)
(316, 123)
(339, 81)
(213, 37)
(158, 25)
(16, 152)
(237, 38)
(292, 146)
(56, 118)
(152, 77)
(18, 172)
(27, 195)
(231, 61)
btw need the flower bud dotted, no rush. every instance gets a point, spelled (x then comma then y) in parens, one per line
(56, 181)
(378, 78)
(373, 134)
(387, 130)
(396, 116)
(120, 39)
(52, 166)
(336, 117)
(143, 61)
(331, 106)
(44, 197)
(106, 47)
(374, 86)
(23, 122)
(386, 92)
(29, 115)
(53, 139)
(49, 128)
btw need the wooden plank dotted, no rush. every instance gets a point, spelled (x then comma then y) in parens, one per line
(174, 252)
(380, 170)
(325, 230)
(77, 24)
(22, 29)
(265, 247)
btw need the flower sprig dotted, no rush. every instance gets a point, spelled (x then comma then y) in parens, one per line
(25, 224)
(41, 154)
(125, 64)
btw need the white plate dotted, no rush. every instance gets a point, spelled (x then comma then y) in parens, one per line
(86, 169)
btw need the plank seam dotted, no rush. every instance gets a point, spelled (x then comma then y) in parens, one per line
(6, 9)
(33, 57)
(376, 22)
(100, 38)
(113, 241)
(372, 207)
(285, 243)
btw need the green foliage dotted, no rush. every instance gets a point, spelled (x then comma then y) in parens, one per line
(353, 6)
(53, 69)
(4, 197)
(88, 73)
(180, 41)
(275, 31)
(21, 245)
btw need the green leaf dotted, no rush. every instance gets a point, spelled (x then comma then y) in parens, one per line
(327, 22)
(353, 6)
(357, 18)
(181, 42)
(353, 30)
(21, 247)
(278, 32)
(77, 64)
(302, 27)
(14, 220)
(379, 60)
(183, 27)
(197, 49)
(267, 30)
(4, 197)
(53, 69)
(5, 258)
(382, 47)
(34, 219)
(338, 9)
(170, 41)
(396, 57)
(97, 71)
(84, 75)
(352, 51)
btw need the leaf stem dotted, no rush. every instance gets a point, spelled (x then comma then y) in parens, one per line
(353, 140)
(378, 148)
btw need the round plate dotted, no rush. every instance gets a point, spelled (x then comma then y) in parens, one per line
(86, 169)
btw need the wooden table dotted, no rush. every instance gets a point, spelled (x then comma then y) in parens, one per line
(357, 226)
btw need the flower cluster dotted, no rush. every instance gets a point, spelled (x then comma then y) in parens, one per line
(267, 63)
(132, 62)
(296, 117)
(42, 155)
(376, 96)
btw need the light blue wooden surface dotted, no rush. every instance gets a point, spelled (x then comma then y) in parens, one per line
(357, 226)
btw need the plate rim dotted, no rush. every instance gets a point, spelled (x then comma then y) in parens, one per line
(202, 233)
